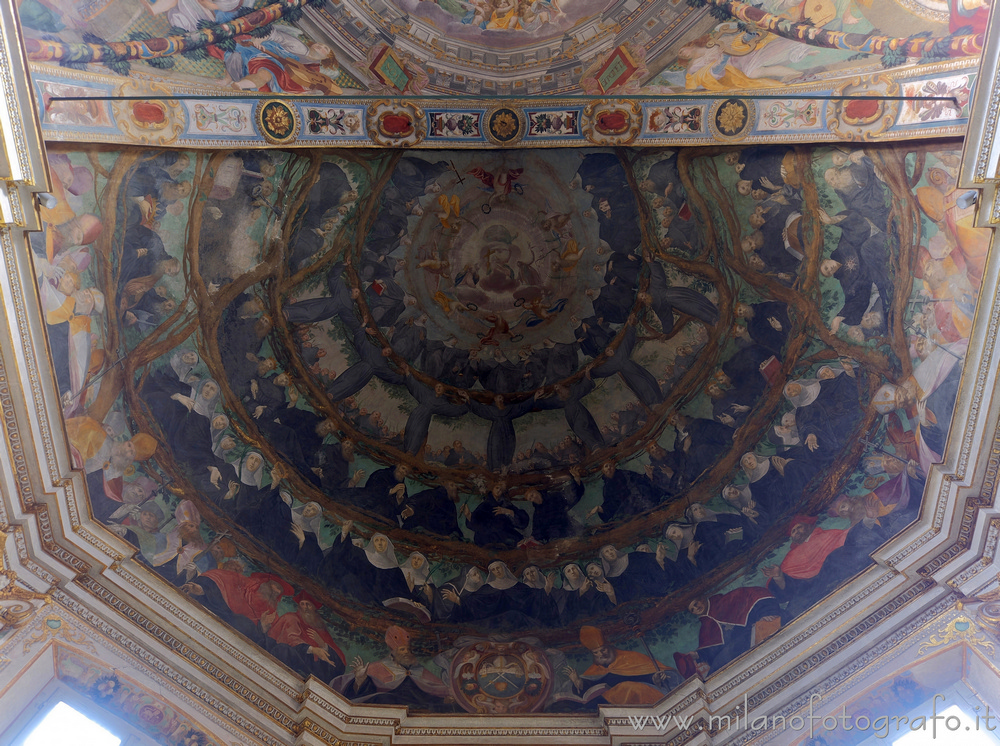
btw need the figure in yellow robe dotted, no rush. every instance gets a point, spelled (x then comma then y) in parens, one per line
(505, 16)
(634, 678)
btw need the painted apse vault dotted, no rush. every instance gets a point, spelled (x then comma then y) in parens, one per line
(492, 47)
(513, 431)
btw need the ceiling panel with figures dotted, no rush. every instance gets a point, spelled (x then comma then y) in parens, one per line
(499, 47)
(508, 432)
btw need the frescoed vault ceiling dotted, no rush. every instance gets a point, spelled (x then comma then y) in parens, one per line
(545, 408)
(558, 428)
(498, 47)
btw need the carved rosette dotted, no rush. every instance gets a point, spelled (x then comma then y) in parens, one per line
(277, 121)
(732, 119)
(505, 125)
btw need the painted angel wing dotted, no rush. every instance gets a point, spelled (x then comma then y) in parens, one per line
(483, 175)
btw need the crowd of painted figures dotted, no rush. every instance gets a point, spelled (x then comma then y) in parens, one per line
(391, 342)
(821, 410)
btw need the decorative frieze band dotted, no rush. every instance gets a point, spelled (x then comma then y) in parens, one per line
(90, 108)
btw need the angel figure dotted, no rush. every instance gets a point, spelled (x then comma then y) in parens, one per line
(499, 184)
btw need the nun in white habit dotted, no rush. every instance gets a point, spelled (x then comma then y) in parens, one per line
(418, 594)
(206, 397)
(740, 497)
(211, 468)
(501, 578)
(252, 470)
(307, 526)
(635, 575)
(595, 574)
(803, 392)
(220, 423)
(381, 553)
(416, 573)
(386, 579)
(578, 598)
(248, 493)
(506, 602)
(309, 518)
(786, 435)
(182, 362)
(193, 435)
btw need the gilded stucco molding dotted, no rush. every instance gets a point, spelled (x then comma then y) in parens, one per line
(60, 627)
(120, 644)
(991, 540)
(809, 636)
(16, 601)
(25, 491)
(983, 388)
(888, 649)
(31, 376)
(972, 507)
(982, 150)
(959, 629)
(27, 171)
(17, 459)
(330, 708)
(52, 627)
(886, 653)
(992, 466)
(236, 687)
(311, 726)
(872, 622)
(26, 561)
(123, 571)
(679, 739)
(988, 131)
(504, 731)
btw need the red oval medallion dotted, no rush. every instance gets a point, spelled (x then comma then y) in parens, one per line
(398, 125)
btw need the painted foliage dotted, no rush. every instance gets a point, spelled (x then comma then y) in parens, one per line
(484, 408)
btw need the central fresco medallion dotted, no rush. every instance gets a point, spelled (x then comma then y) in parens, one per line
(496, 297)
(508, 432)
